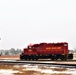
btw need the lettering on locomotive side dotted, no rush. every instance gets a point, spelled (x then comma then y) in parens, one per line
(54, 48)
(48, 48)
(58, 47)
(30, 50)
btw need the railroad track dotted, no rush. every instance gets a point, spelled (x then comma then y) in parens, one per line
(18, 62)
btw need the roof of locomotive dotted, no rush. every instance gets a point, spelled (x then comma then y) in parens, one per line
(43, 43)
(47, 43)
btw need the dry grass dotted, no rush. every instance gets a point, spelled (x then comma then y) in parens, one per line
(22, 70)
(10, 57)
(61, 74)
(28, 73)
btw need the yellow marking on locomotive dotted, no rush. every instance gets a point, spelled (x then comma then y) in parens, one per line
(52, 48)
(48, 48)
(58, 47)
(30, 50)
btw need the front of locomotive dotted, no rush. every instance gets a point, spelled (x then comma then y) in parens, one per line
(22, 55)
(29, 53)
(25, 52)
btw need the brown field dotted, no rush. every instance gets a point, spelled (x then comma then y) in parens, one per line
(10, 57)
(20, 70)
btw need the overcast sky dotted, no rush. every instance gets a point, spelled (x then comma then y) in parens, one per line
(33, 21)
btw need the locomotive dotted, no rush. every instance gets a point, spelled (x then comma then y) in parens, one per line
(53, 51)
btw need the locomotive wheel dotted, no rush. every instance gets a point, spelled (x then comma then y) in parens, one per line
(29, 59)
(36, 59)
(55, 59)
(25, 59)
(32, 59)
(21, 58)
(52, 59)
(63, 58)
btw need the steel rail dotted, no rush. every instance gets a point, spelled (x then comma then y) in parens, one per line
(65, 63)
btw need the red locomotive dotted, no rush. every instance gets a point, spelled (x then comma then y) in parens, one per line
(53, 51)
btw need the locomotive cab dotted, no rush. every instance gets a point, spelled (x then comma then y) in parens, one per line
(29, 53)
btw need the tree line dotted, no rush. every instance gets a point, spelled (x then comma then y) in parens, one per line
(11, 51)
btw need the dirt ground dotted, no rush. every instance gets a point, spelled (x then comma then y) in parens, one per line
(32, 70)
(10, 57)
